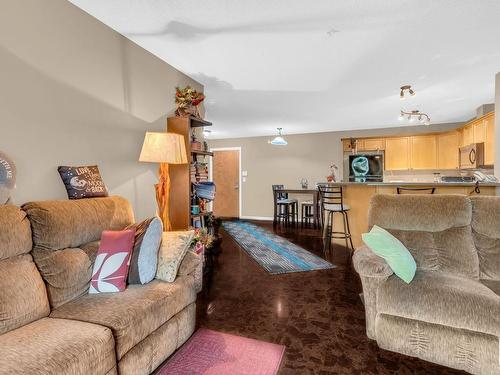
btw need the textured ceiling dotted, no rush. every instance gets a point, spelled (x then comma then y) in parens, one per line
(322, 65)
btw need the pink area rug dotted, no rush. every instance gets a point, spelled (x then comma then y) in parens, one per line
(210, 352)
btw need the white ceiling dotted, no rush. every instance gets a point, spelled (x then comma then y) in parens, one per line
(322, 65)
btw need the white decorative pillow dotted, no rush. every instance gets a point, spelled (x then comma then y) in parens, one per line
(174, 246)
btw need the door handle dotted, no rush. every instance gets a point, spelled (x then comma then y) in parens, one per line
(237, 187)
(472, 156)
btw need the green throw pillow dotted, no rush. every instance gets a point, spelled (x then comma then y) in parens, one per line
(397, 256)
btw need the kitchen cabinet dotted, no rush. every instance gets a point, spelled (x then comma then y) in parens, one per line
(432, 150)
(397, 153)
(365, 144)
(447, 150)
(489, 143)
(423, 152)
(374, 144)
(479, 127)
(468, 135)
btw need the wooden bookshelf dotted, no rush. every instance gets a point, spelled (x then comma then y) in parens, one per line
(180, 178)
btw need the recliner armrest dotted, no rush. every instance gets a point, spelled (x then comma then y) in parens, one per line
(369, 264)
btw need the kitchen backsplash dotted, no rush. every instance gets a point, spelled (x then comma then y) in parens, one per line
(426, 175)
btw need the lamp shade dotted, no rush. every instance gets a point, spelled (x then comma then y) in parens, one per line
(163, 148)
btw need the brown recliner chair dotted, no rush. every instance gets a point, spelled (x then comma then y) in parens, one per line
(450, 313)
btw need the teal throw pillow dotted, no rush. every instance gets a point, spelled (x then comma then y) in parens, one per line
(397, 256)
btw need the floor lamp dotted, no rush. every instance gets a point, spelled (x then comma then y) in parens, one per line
(163, 148)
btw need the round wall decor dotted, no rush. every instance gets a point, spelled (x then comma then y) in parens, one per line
(7, 177)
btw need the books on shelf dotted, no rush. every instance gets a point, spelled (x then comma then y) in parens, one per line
(198, 172)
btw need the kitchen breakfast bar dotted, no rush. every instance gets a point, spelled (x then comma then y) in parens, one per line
(358, 195)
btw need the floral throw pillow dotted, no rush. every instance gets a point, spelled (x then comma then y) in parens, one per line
(174, 246)
(112, 262)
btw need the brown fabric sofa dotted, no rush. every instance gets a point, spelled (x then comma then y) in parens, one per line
(450, 313)
(49, 324)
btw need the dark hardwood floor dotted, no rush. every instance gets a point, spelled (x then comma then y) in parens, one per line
(317, 315)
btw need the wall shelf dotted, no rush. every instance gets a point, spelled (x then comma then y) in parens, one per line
(206, 153)
(198, 122)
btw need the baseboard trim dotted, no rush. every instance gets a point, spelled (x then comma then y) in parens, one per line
(259, 218)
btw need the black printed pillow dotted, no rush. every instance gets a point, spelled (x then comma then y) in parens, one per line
(83, 182)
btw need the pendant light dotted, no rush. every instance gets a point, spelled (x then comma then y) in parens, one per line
(279, 140)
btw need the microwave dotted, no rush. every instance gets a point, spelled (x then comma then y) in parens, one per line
(471, 156)
(365, 167)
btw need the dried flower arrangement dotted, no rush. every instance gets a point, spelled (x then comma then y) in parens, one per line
(187, 101)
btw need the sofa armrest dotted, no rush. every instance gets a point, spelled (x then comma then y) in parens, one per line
(189, 264)
(369, 264)
(192, 265)
(373, 271)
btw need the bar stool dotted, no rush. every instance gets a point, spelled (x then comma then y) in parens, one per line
(284, 207)
(307, 212)
(332, 202)
(402, 190)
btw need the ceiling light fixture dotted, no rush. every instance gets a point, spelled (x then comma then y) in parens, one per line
(405, 88)
(279, 140)
(207, 133)
(416, 114)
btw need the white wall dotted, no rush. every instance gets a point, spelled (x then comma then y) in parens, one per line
(75, 92)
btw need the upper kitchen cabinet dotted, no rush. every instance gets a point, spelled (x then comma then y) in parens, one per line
(397, 153)
(467, 135)
(423, 150)
(374, 144)
(489, 143)
(364, 144)
(447, 150)
(479, 127)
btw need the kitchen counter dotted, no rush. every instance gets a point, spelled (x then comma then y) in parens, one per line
(359, 194)
(416, 183)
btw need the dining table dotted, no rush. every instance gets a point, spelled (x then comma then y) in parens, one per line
(315, 198)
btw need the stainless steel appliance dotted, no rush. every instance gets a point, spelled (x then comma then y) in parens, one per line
(455, 179)
(364, 167)
(472, 156)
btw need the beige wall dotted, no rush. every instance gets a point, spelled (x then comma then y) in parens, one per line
(306, 156)
(497, 126)
(74, 92)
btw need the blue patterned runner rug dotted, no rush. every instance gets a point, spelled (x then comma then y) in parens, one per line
(274, 253)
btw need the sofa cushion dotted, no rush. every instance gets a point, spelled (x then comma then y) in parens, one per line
(57, 346)
(133, 314)
(485, 224)
(434, 228)
(424, 213)
(494, 285)
(15, 232)
(23, 297)
(439, 298)
(67, 272)
(62, 231)
(66, 224)
(451, 250)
